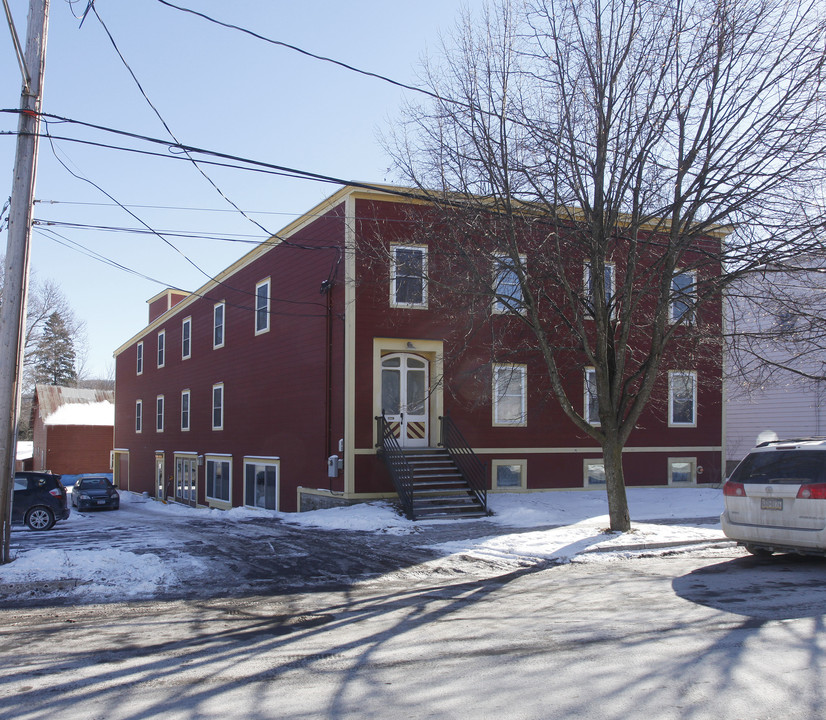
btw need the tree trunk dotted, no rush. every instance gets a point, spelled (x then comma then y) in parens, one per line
(615, 485)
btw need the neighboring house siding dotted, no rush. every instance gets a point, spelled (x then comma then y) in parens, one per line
(790, 407)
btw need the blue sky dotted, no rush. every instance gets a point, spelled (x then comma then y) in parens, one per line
(216, 89)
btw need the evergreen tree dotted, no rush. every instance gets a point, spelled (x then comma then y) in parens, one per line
(55, 353)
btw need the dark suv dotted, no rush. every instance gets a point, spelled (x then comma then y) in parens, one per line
(39, 500)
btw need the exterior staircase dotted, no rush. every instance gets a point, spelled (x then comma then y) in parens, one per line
(439, 488)
(448, 481)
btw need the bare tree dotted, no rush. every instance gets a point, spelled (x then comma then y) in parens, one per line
(46, 298)
(624, 160)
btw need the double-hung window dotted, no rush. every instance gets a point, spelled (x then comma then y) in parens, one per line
(186, 338)
(218, 478)
(185, 410)
(161, 348)
(609, 276)
(591, 400)
(408, 276)
(138, 416)
(218, 325)
(262, 307)
(683, 297)
(507, 290)
(139, 358)
(218, 406)
(159, 408)
(510, 395)
(682, 398)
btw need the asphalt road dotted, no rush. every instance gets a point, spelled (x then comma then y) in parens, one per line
(705, 633)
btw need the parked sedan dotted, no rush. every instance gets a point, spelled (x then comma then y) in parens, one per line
(39, 500)
(775, 500)
(95, 492)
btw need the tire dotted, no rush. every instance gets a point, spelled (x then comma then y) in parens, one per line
(758, 552)
(40, 518)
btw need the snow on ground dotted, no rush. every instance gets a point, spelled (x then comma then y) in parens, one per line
(526, 528)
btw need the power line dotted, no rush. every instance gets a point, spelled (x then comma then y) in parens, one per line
(307, 53)
(82, 249)
(43, 201)
(163, 122)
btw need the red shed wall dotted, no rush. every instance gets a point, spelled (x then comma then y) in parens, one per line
(75, 449)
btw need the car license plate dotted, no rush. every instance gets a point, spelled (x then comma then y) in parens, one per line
(771, 503)
(101, 502)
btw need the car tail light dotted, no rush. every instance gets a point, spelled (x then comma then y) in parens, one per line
(813, 491)
(734, 489)
(56, 492)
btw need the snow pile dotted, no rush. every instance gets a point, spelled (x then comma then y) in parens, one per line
(104, 574)
(369, 517)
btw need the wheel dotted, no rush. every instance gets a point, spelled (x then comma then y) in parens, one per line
(40, 518)
(758, 552)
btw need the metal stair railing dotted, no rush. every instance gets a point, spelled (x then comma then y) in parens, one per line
(469, 464)
(400, 471)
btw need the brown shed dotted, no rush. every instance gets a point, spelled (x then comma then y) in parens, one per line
(72, 429)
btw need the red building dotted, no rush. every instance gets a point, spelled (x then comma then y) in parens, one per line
(72, 429)
(242, 392)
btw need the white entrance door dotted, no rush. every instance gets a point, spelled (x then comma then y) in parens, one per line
(404, 401)
(160, 471)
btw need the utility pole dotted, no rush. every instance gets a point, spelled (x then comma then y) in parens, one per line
(15, 290)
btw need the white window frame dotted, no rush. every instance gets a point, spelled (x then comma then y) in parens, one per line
(692, 461)
(394, 302)
(587, 464)
(496, 396)
(689, 302)
(186, 338)
(522, 463)
(139, 358)
(222, 325)
(186, 410)
(590, 392)
(265, 461)
(160, 410)
(161, 348)
(218, 407)
(611, 270)
(138, 416)
(262, 309)
(211, 460)
(502, 265)
(672, 374)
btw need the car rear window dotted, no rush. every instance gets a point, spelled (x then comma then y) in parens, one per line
(782, 466)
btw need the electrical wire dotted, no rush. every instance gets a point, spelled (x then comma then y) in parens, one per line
(307, 53)
(171, 134)
(88, 252)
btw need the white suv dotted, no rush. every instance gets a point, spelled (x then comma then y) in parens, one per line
(775, 500)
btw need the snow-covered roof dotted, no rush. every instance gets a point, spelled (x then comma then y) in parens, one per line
(25, 449)
(100, 413)
(75, 406)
